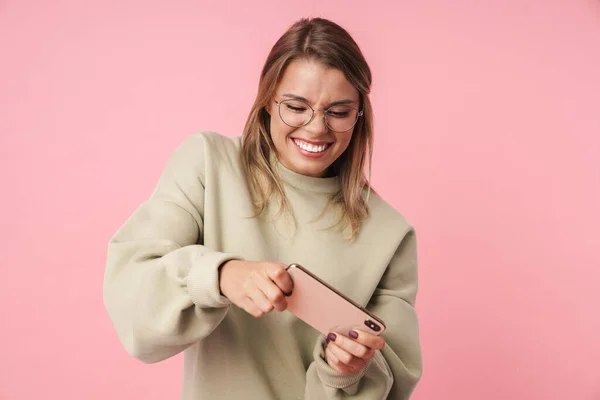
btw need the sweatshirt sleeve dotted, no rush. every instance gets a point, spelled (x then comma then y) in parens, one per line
(161, 285)
(394, 371)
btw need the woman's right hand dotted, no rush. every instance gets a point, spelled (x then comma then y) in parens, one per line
(256, 287)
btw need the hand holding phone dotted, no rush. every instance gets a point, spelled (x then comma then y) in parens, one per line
(256, 287)
(353, 333)
(348, 355)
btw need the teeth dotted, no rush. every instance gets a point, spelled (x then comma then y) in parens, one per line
(310, 147)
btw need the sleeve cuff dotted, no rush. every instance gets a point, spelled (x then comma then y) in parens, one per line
(329, 376)
(203, 280)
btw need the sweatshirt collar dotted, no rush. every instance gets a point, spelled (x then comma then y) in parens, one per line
(304, 182)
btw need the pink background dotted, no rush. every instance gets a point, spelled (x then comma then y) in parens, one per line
(488, 131)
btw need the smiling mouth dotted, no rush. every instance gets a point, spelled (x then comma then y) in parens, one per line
(311, 148)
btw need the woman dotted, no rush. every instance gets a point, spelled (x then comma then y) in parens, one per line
(200, 266)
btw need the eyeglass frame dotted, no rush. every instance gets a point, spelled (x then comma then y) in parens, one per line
(358, 114)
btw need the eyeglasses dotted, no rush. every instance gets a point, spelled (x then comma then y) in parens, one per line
(297, 113)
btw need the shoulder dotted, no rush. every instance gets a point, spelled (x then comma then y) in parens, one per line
(217, 140)
(208, 143)
(387, 218)
(200, 153)
(207, 146)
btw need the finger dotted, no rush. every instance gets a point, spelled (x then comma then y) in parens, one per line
(257, 296)
(350, 346)
(336, 364)
(271, 291)
(375, 342)
(345, 358)
(278, 274)
(251, 308)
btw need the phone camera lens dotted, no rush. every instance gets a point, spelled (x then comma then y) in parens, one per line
(372, 325)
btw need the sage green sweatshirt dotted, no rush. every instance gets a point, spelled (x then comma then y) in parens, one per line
(162, 294)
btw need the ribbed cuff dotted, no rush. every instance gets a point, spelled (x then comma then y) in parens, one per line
(203, 280)
(331, 377)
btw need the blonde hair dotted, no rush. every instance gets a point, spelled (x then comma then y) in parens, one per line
(324, 41)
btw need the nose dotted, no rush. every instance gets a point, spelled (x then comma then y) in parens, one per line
(317, 125)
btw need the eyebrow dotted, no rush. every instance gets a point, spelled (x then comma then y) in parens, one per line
(335, 103)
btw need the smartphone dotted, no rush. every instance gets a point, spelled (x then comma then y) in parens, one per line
(325, 309)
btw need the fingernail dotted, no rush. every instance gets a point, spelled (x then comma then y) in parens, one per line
(353, 334)
(288, 294)
(331, 337)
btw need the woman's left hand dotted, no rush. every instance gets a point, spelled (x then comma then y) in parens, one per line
(348, 355)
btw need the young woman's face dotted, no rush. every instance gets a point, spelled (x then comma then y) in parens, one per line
(311, 149)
